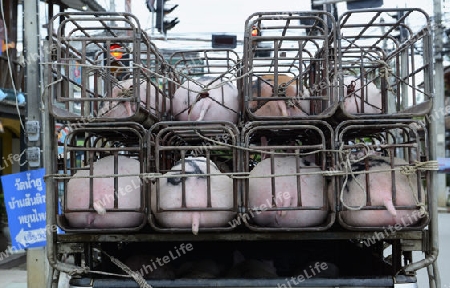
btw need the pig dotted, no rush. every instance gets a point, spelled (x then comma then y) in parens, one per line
(149, 267)
(380, 187)
(200, 269)
(318, 269)
(124, 89)
(204, 100)
(251, 268)
(291, 107)
(353, 96)
(129, 197)
(260, 194)
(196, 197)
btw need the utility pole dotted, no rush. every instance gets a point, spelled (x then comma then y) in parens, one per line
(128, 6)
(128, 10)
(437, 140)
(36, 258)
(112, 8)
(437, 125)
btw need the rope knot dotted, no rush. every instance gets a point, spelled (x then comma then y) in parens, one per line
(408, 170)
(422, 209)
(351, 88)
(126, 92)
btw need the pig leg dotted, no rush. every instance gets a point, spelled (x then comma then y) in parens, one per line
(282, 106)
(90, 218)
(264, 143)
(128, 108)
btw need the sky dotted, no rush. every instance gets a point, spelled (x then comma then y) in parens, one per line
(200, 17)
(229, 16)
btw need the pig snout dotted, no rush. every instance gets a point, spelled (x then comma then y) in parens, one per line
(195, 196)
(101, 216)
(381, 194)
(261, 196)
(216, 101)
(355, 94)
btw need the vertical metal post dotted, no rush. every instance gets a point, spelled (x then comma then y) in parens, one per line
(36, 260)
(128, 10)
(437, 137)
(112, 8)
(438, 104)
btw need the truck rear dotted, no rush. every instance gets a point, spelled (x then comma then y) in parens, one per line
(305, 160)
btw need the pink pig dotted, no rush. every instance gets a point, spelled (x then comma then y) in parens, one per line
(380, 187)
(216, 101)
(291, 106)
(353, 95)
(129, 188)
(125, 109)
(170, 197)
(312, 194)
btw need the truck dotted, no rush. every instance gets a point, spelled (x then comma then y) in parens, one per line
(327, 105)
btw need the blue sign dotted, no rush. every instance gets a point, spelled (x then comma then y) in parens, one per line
(444, 165)
(25, 204)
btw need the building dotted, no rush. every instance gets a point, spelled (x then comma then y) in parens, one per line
(13, 90)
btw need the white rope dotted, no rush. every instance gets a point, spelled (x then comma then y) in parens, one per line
(348, 170)
(385, 72)
(406, 170)
(135, 275)
(219, 143)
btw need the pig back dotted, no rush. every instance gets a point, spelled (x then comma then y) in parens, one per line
(102, 213)
(124, 89)
(354, 94)
(291, 106)
(377, 187)
(196, 196)
(286, 194)
(201, 100)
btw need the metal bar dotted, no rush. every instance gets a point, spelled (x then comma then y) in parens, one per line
(385, 281)
(233, 236)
